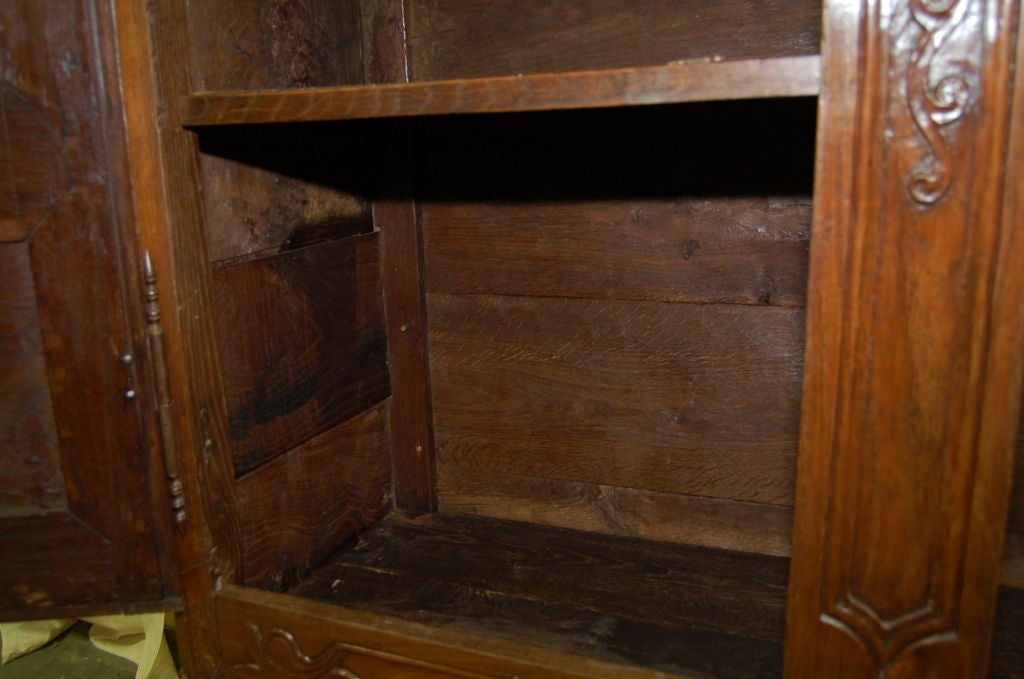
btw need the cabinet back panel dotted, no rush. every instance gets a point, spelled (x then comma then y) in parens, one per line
(693, 399)
(302, 344)
(736, 250)
(508, 37)
(616, 327)
(270, 44)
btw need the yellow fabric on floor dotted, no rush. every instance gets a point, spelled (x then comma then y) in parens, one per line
(137, 638)
(19, 638)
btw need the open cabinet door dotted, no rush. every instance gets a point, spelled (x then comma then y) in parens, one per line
(81, 497)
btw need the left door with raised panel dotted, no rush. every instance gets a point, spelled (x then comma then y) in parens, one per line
(79, 526)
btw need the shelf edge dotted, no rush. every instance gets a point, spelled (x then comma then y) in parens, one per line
(677, 82)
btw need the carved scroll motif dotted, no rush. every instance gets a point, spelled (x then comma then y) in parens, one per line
(935, 104)
(275, 653)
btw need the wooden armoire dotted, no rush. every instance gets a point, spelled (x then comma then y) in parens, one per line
(518, 338)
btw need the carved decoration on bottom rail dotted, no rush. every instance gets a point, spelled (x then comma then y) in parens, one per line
(275, 653)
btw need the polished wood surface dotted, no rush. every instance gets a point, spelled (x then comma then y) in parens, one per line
(673, 83)
(915, 342)
(80, 518)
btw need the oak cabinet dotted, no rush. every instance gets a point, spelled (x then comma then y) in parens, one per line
(569, 339)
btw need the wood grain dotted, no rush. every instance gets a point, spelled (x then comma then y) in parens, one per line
(915, 344)
(698, 400)
(508, 37)
(170, 219)
(302, 344)
(31, 481)
(611, 510)
(736, 250)
(271, 195)
(671, 586)
(410, 596)
(263, 44)
(395, 214)
(672, 83)
(316, 625)
(32, 173)
(80, 525)
(304, 504)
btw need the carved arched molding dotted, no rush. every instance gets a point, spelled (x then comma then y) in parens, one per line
(275, 653)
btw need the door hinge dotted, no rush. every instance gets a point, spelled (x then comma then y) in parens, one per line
(164, 402)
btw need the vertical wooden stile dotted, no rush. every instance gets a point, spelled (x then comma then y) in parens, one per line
(915, 343)
(395, 214)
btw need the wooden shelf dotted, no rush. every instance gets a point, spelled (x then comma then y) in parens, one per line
(673, 83)
(674, 608)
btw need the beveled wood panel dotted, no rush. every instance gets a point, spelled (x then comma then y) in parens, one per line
(264, 44)
(692, 399)
(915, 341)
(31, 481)
(736, 250)
(31, 165)
(509, 37)
(302, 344)
(673, 83)
(80, 516)
(301, 506)
(612, 510)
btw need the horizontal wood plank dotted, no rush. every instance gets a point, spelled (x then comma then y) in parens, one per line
(692, 399)
(738, 250)
(253, 44)
(507, 37)
(303, 505)
(302, 344)
(557, 626)
(672, 586)
(672, 83)
(627, 512)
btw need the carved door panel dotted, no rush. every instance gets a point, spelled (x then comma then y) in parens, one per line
(77, 525)
(915, 341)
